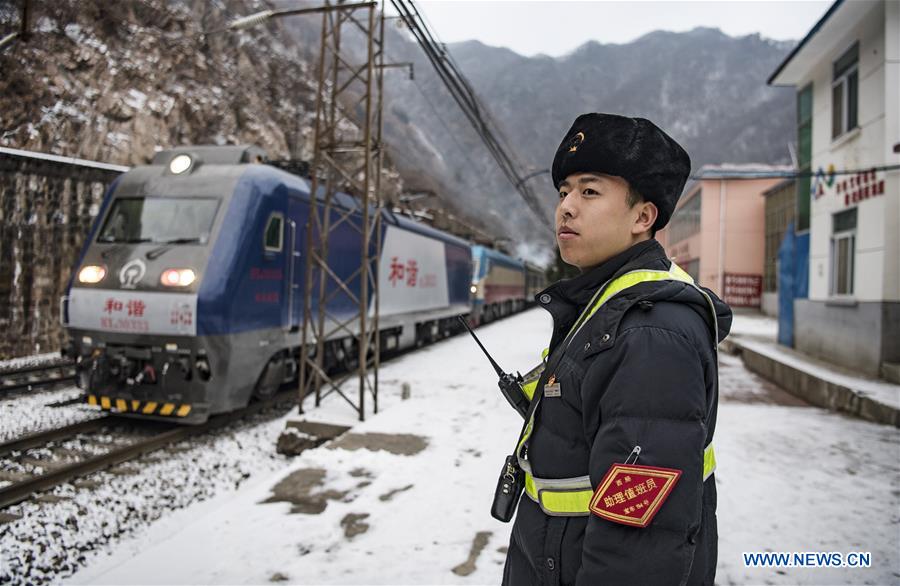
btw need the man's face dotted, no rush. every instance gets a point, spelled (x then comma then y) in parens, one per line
(593, 219)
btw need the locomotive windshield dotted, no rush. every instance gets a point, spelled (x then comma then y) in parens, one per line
(159, 220)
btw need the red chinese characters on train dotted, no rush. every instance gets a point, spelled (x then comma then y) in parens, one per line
(124, 316)
(181, 316)
(407, 274)
(263, 274)
(266, 297)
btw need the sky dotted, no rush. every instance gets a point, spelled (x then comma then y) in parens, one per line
(556, 27)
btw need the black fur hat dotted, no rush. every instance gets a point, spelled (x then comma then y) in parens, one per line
(632, 148)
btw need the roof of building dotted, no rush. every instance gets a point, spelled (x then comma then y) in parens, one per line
(738, 171)
(743, 171)
(820, 41)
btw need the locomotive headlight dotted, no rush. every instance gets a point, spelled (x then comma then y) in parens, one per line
(179, 164)
(91, 274)
(473, 289)
(177, 277)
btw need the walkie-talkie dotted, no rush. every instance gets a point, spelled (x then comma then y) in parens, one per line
(512, 478)
(510, 385)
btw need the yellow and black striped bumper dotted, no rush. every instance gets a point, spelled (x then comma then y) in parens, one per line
(136, 407)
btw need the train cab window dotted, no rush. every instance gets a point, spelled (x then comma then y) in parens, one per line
(274, 236)
(160, 220)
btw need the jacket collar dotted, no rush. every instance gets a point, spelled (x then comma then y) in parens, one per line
(566, 298)
(643, 255)
(577, 291)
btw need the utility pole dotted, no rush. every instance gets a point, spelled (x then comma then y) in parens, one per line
(340, 340)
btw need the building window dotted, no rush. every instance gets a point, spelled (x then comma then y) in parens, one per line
(844, 92)
(274, 234)
(843, 248)
(804, 156)
(686, 220)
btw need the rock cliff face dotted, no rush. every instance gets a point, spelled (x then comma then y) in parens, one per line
(117, 81)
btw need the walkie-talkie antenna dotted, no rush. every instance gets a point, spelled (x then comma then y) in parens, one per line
(480, 345)
(509, 383)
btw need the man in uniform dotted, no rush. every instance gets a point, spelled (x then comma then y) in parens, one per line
(616, 455)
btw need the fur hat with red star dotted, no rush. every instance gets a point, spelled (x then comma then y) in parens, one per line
(635, 149)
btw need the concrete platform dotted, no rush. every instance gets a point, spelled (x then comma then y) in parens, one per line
(818, 382)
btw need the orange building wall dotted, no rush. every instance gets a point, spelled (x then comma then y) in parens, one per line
(743, 229)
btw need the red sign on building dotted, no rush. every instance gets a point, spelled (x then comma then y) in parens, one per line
(743, 290)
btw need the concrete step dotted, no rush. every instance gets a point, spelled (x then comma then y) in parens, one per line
(818, 382)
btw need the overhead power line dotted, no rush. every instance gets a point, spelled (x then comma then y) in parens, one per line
(738, 174)
(463, 94)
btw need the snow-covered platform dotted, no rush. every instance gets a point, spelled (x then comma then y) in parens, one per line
(815, 381)
(404, 497)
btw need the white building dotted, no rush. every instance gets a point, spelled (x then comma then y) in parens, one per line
(847, 75)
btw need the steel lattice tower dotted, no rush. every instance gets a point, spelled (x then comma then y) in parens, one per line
(347, 158)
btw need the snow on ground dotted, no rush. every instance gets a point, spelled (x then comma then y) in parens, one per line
(26, 412)
(791, 478)
(424, 510)
(799, 479)
(54, 537)
(754, 324)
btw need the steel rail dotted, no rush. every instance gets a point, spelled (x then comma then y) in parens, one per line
(9, 379)
(19, 491)
(44, 437)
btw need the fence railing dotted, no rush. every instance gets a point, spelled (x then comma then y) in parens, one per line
(47, 205)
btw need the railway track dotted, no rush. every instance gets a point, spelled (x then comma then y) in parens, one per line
(41, 375)
(38, 462)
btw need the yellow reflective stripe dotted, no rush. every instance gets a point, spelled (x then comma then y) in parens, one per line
(682, 274)
(528, 388)
(628, 280)
(544, 353)
(149, 407)
(709, 461)
(566, 502)
(121, 405)
(135, 404)
(104, 402)
(92, 400)
(530, 488)
(562, 501)
(530, 381)
(183, 410)
(167, 409)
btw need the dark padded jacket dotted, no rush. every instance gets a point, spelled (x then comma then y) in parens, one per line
(643, 371)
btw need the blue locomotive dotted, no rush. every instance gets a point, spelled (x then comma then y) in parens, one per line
(187, 299)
